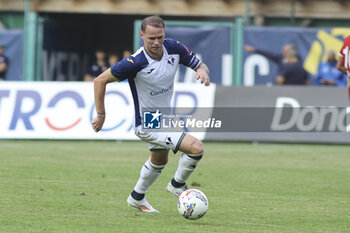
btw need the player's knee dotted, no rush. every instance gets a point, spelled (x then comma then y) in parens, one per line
(159, 157)
(160, 161)
(198, 149)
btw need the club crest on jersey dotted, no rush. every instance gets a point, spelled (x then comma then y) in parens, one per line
(152, 120)
(171, 61)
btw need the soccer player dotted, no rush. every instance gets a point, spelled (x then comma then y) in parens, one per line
(152, 69)
(344, 61)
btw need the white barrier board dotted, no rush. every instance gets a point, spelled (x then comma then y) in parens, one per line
(64, 110)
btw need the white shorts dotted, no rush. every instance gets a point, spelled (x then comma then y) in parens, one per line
(160, 140)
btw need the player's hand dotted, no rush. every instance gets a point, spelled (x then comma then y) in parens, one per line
(203, 76)
(97, 123)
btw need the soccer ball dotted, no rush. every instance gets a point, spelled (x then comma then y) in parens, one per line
(192, 204)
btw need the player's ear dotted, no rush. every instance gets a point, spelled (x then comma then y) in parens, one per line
(141, 34)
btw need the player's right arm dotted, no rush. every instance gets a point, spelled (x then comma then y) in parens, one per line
(100, 84)
(125, 69)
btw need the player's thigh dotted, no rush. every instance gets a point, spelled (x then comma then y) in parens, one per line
(159, 157)
(191, 145)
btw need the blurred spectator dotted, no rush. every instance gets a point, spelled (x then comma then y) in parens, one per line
(126, 53)
(98, 67)
(328, 74)
(3, 63)
(113, 58)
(292, 72)
(278, 58)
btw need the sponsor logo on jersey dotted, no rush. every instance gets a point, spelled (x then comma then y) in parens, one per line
(150, 71)
(162, 91)
(130, 60)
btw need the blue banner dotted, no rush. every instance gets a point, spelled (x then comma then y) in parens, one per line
(12, 41)
(311, 45)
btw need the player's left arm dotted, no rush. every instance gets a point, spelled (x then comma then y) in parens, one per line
(202, 73)
(189, 59)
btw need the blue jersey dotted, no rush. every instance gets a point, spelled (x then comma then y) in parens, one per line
(152, 81)
(330, 71)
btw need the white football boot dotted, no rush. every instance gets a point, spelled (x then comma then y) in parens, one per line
(142, 205)
(176, 191)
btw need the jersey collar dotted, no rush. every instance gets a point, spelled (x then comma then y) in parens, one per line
(151, 59)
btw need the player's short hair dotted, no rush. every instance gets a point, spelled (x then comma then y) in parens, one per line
(154, 21)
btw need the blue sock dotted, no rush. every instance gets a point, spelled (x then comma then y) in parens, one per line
(137, 196)
(176, 184)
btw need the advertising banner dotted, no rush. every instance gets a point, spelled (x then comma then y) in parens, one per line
(286, 114)
(64, 110)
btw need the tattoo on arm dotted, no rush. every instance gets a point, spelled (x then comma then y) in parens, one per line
(194, 141)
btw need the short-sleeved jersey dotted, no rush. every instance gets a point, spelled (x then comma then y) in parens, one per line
(152, 81)
(344, 53)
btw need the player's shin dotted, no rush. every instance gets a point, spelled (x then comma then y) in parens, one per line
(187, 164)
(149, 173)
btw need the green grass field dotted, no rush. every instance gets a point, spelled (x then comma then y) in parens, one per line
(76, 186)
